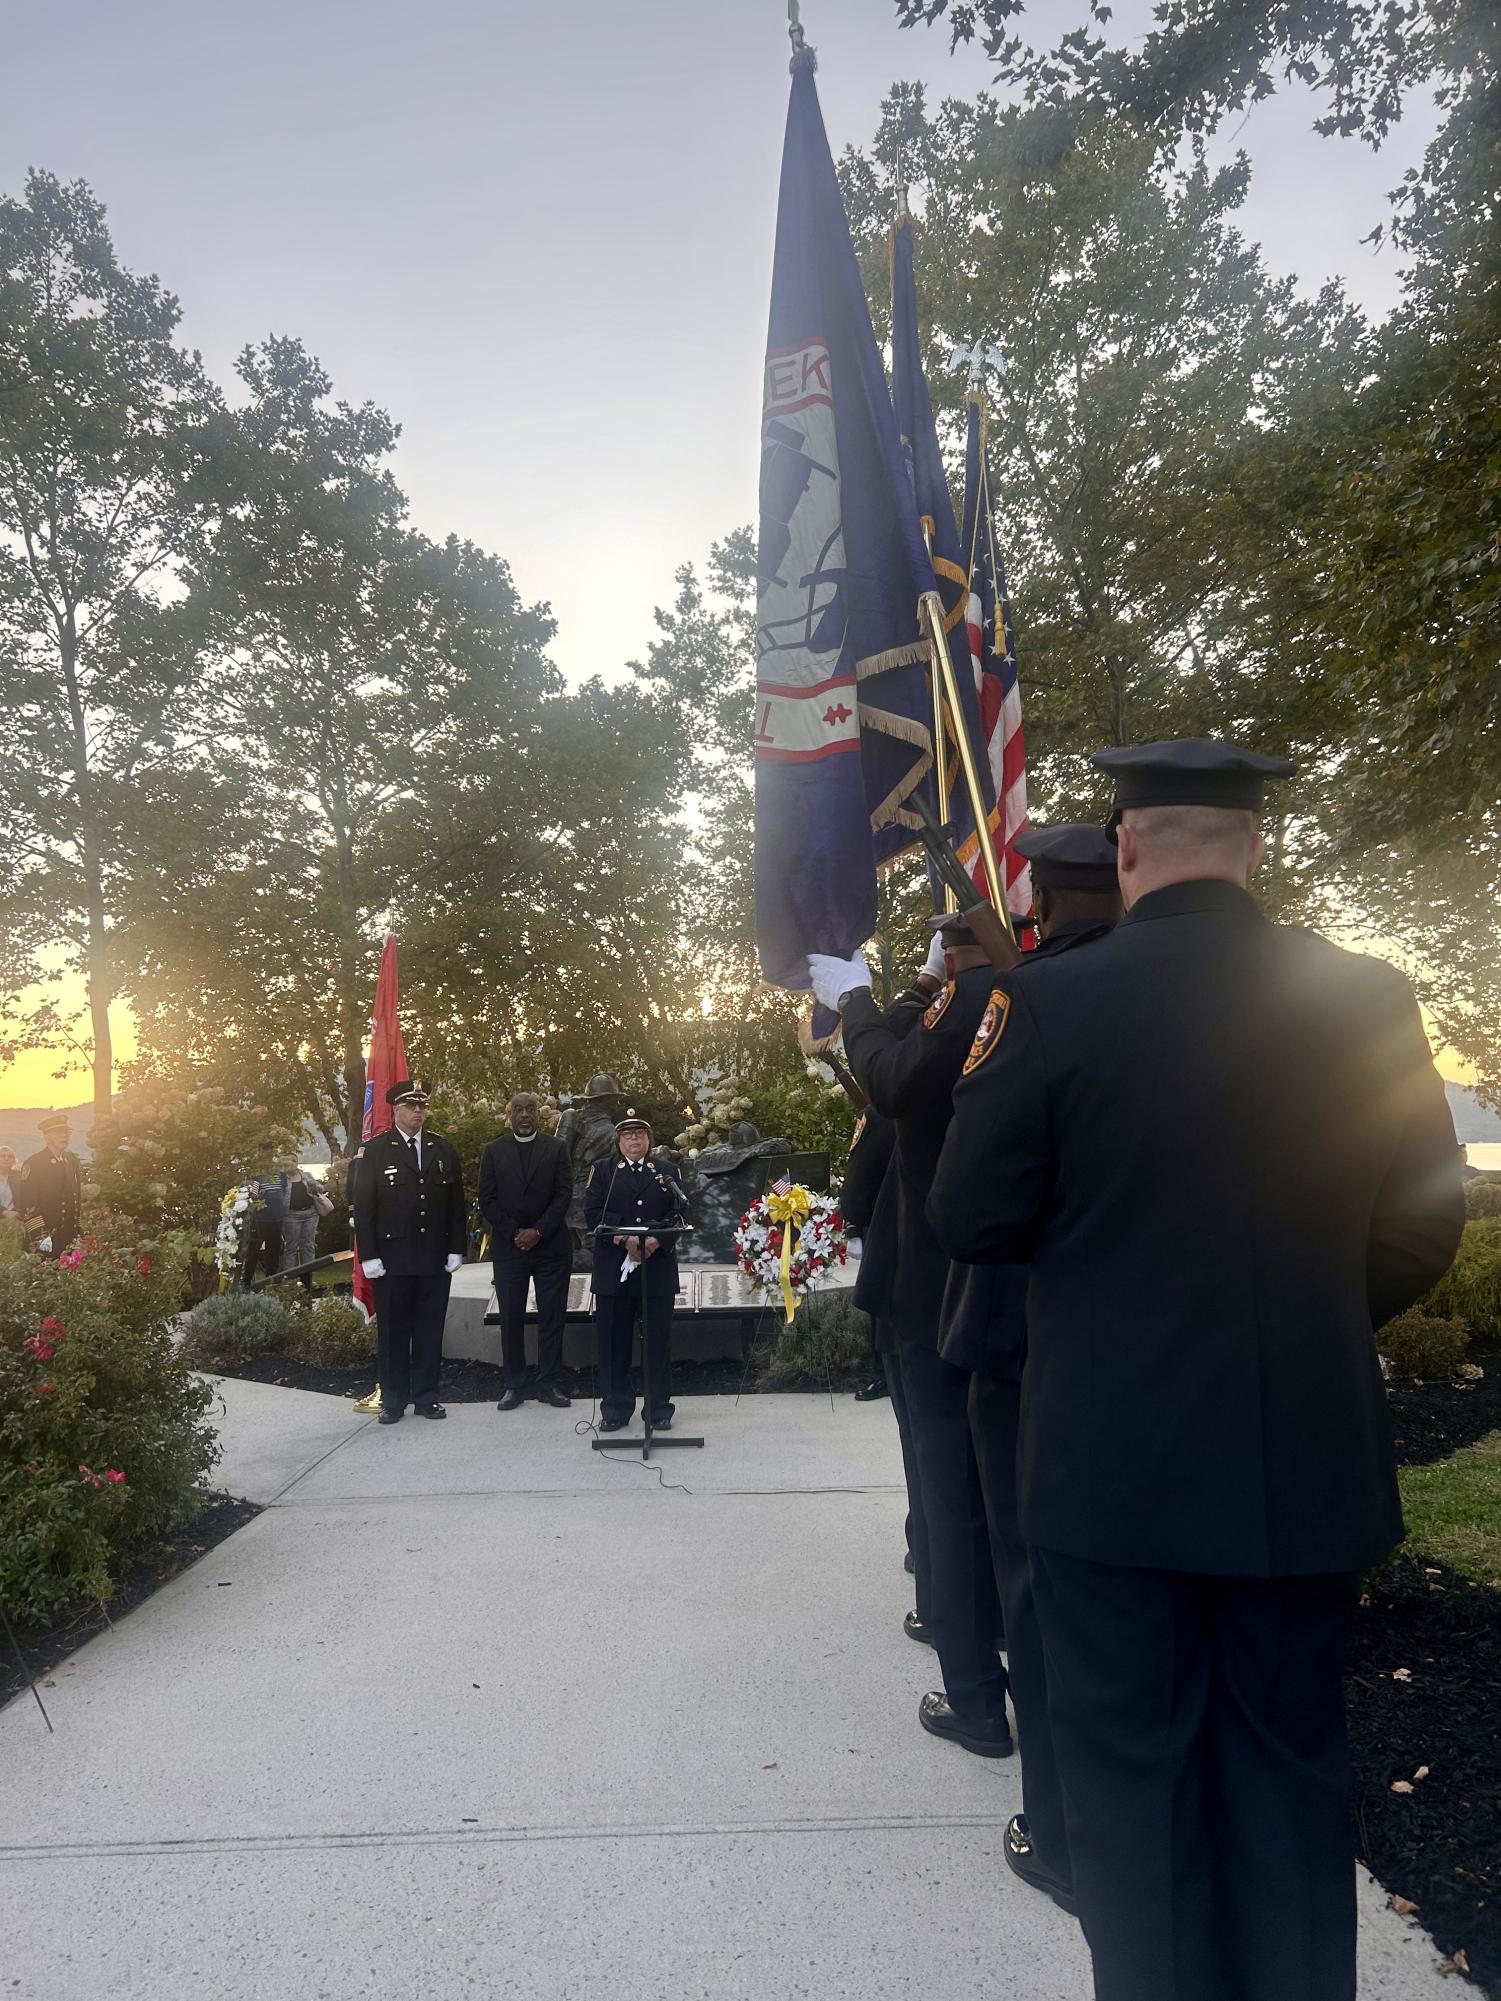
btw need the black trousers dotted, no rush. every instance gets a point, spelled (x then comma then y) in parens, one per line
(262, 1247)
(1199, 1726)
(917, 1520)
(616, 1314)
(551, 1265)
(994, 1411)
(963, 1606)
(409, 1313)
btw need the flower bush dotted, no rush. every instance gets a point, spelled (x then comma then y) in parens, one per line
(718, 1104)
(1419, 1346)
(163, 1157)
(104, 1433)
(819, 1246)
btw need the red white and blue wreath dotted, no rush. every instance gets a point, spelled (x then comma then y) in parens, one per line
(789, 1239)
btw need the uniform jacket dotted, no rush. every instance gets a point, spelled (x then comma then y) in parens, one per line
(983, 1324)
(50, 1186)
(1222, 1147)
(525, 1188)
(870, 1155)
(412, 1220)
(634, 1201)
(906, 1064)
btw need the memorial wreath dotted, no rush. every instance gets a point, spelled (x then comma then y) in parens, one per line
(789, 1238)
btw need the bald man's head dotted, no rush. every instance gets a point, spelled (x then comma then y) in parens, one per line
(1160, 845)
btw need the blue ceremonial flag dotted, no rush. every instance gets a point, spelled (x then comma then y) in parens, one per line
(919, 435)
(843, 732)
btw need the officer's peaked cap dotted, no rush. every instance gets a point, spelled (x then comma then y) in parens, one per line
(1073, 856)
(58, 1122)
(1189, 771)
(408, 1091)
(633, 1122)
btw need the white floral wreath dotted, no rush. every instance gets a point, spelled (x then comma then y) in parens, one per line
(233, 1210)
(820, 1241)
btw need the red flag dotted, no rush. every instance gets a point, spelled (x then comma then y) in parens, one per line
(385, 1065)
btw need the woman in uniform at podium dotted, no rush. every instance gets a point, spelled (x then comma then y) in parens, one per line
(635, 1272)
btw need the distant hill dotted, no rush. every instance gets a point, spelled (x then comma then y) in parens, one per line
(1472, 1120)
(18, 1128)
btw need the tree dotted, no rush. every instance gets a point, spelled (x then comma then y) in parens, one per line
(107, 434)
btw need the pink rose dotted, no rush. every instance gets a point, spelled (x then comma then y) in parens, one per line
(45, 1389)
(53, 1328)
(115, 1477)
(142, 1269)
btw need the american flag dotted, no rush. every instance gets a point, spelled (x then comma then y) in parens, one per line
(992, 651)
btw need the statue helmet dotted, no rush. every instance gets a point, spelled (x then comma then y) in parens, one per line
(603, 1085)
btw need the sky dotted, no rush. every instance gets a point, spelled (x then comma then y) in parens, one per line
(538, 234)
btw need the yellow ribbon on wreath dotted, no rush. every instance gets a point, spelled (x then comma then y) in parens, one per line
(790, 1209)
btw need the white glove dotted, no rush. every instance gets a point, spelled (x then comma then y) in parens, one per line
(452, 1262)
(44, 1245)
(373, 1267)
(933, 964)
(833, 977)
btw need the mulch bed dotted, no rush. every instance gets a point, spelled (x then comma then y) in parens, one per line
(1439, 1845)
(483, 1382)
(45, 1647)
(1431, 1420)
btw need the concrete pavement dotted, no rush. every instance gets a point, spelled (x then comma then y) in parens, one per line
(473, 1710)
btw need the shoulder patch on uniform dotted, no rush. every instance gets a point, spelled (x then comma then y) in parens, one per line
(940, 1002)
(992, 1028)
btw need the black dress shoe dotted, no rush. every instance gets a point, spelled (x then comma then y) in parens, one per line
(612, 1424)
(389, 1417)
(909, 1564)
(1021, 1860)
(914, 1628)
(987, 1737)
(429, 1410)
(662, 1423)
(512, 1400)
(873, 1390)
(550, 1393)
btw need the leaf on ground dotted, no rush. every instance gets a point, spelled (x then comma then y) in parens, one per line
(1421, 1772)
(1401, 1786)
(1458, 1964)
(1401, 1674)
(768, 1768)
(1403, 1906)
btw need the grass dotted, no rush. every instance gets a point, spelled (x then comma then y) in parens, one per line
(1453, 1510)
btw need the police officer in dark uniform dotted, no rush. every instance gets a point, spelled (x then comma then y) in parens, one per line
(635, 1273)
(907, 1068)
(411, 1224)
(1218, 1198)
(1077, 899)
(50, 1193)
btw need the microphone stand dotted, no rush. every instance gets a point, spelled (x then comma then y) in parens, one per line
(663, 1232)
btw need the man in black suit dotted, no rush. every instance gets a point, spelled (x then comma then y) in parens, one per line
(1221, 1146)
(411, 1223)
(525, 1186)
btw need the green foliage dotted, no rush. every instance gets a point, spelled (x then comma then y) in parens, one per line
(816, 1117)
(471, 1123)
(334, 1229)
(229, 1328)
(164, 1157)
(330, 1333)
(104, 1434)
(1483, 1198)
(829, 1337)
(1471, 1288)
(1453, 1510)
(1419, 1345)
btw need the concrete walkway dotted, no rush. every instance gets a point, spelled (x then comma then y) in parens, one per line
(474, 1711)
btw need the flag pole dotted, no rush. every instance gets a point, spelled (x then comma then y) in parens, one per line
(930, 609)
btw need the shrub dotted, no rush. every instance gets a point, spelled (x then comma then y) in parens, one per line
(333, 1229)
(104, 1438)
(816, 1117)
(1471, 1288)
(1419, 1345)
(829, 1336)
(229, 1328)
(1483, 1197)
(330, 1333)
(163, 1158)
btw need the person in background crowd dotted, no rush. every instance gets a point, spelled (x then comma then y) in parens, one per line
(410, 1225)
(262, 1246)
(50, 1196)
(1221, 1149)
(634, 1272)
(9, 1185)
(303, 1202)
(525, 1186)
